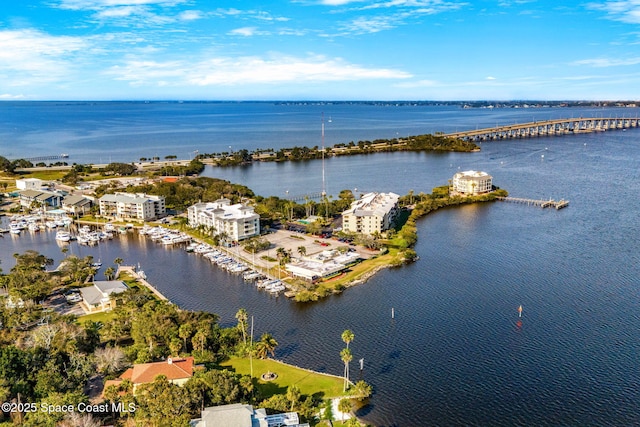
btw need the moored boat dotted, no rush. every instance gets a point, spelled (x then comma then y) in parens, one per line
(63, 236)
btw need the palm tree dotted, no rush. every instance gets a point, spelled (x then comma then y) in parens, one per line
(242, 317)
(108, 273)
(344, 406)
(267, 344)
(293, 395)
(347, 337)
(346, 357)
(302, 250)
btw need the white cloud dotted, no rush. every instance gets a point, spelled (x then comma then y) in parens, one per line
(490, 78)
(338, 2)
(607, 62)
(101, 4)
(247, 32)
(622, 10)
(227, 71)
(401, 12)
(190, 15)
(9, 96)
(120, 12)
(370, 25)
(30, 56)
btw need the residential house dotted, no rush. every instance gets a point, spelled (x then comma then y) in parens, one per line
(99, 296)
(242, 415)
(30, 198)
(29, 184)
(177, 371)
(76, 204)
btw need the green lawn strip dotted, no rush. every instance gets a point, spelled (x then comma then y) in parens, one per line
(309, 382)
(103, 317)
(45, 175)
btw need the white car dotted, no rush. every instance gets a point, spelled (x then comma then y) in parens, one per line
(73, 297)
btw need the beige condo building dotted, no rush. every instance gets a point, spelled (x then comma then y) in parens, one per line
(372, 213)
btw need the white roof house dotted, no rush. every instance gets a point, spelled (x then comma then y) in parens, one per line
(237, 221)
(241, 415)
(29, 183)
(324, 264)
(472, 182)
(374, 212)
(98, 296)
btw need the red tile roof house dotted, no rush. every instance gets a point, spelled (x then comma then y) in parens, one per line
(177, 370)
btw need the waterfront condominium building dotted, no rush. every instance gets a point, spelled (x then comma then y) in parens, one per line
(127, 206)
(374, 212)
(472, 182)
(235, 222)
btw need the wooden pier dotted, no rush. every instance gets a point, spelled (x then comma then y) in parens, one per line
(562, 203)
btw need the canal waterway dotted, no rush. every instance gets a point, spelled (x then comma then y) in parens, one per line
(455, 354)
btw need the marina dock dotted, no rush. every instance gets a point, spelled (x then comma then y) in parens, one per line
(562, 203)
(130, 269)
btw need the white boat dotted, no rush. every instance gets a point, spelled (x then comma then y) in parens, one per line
(142, 275)
(51, 224)
(63, 236)
(33, 226)
(108, 227)
(14, 228)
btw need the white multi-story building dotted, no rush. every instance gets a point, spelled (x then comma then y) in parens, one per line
(472, 182)
(373, 213)
(236, 222)
(138, 206)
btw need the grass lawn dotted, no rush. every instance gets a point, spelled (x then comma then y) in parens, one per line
(96, 317)
(45, 175)
(310, 383)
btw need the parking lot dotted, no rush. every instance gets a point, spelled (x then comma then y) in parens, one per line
(291, 241)
(59, 304)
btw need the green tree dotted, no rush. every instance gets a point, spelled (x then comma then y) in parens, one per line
(361, 390)
(347, 337)
(185, 331)
(302, 250)
(346, 357)
(293, 395)
(345, 406)
(161, 403)
(242, 316)
(266, 345)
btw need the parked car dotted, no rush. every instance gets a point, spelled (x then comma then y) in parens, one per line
(73, 296)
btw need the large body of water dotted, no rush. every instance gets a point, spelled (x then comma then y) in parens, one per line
(454, 354)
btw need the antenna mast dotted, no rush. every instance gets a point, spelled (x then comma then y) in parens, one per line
(324, 188)
(324, 192)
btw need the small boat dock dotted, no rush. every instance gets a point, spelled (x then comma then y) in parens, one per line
(562, 203)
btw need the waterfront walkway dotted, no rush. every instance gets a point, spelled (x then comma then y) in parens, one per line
(536, 202)
(130, 269)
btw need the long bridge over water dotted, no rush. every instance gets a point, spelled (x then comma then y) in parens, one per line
(546, 128)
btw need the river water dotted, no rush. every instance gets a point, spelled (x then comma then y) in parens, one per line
(455, 354)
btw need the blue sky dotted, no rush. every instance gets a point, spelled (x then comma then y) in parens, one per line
(319, 50)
